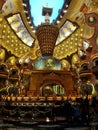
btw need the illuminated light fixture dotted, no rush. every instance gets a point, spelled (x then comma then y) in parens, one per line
(47, 119)
(1, 19)
(58, 21)
(34, 31)
(25, 11)
(20, 61)
(64, 11)
(66, 6)
(29, 22)
(27, 60)
(24, 4)
(47, 34)
(28, 17)
(32, 27)
(61, 16)
(87, 46)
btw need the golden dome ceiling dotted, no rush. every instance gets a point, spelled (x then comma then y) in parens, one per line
(27, 44)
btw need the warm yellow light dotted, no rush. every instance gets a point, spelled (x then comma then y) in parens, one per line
(8, 36)
(3, 31)
(75, 43)
(7, 41)
(76, 34)
(12, 41)
(3, 36)
(1, 19)
(16, 41)
(5, 26)
(8, 31)
(16, 49)
(47, 119)
(81, 29)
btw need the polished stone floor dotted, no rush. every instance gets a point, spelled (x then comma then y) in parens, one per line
(45, 128)
(30, 126)
(4, 126)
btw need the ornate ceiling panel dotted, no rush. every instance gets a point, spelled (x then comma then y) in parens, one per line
(10, 40)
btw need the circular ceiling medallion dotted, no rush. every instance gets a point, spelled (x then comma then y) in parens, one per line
(91, 19)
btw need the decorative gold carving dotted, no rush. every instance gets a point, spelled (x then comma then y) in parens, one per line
(70, 45)
(47, 35)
